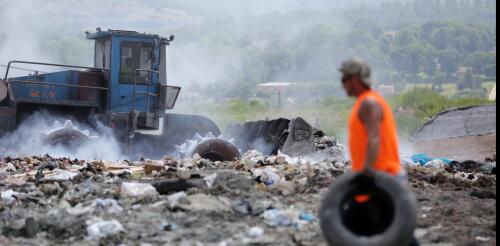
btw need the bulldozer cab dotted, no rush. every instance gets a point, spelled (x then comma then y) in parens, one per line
(137, 71)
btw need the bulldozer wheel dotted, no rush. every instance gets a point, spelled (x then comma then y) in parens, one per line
(217, 150)
(66, 137)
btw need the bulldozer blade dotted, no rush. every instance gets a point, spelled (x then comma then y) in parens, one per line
(300, 139)
(292, 137)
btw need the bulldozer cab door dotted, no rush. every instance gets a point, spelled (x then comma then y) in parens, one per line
(134, 62)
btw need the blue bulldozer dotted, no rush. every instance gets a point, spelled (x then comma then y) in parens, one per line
(127, 91)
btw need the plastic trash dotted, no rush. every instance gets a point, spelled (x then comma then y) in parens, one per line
(421, 159)
(138, 190)
(407, 161)
(255, 232)
(209, 180)
(103, 229)
(108, 205)
(80, 209)
(275, 217)
(436, 163)
(60, 175)
(175, 199)
(168, 226)
(307, 217)
(287, 218)
(424, 159)
(269, 176)
(8, 196)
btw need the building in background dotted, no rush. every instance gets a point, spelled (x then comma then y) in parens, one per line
(386, 90)
(275, 93)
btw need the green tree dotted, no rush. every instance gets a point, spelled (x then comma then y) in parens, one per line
(449, 60)
(490, 70)
(439, 78)
(440, 38)
(478, 60)
(469, 81)
(407, 36)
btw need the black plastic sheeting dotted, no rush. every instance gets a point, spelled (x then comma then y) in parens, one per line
(459, 122)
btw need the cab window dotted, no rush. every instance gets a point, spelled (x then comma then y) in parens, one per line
(135, 55)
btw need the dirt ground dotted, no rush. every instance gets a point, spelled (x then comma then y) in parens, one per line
(453, 211)
(464, 148)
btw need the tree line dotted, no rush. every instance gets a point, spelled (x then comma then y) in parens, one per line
(405, 41)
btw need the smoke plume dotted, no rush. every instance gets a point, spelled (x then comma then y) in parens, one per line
(28, 140)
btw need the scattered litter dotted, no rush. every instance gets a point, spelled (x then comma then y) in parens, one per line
(175, 199)
(108, 205)
(8, 196)
(150, 167)
(138, 190)
(267, 176)
(16, 181)
(203, 202)
(60, 175)
(26, 227)
(209, 180)
(54, 197)
(306, 217)
(103, 229)
(255, 232)
(424, 160)
(287, 218)
(483, 239)
(167, 226)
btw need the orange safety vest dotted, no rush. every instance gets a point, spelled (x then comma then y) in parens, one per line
(388, 155)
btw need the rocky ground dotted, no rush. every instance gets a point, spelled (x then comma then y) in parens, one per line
(255, 201)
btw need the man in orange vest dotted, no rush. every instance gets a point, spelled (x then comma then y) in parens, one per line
(373, 139)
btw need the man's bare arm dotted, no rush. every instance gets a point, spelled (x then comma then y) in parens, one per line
(371, 115)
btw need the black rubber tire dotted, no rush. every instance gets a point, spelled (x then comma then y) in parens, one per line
(217, 150)
(400, 230)
(177, 129)
(181, 127)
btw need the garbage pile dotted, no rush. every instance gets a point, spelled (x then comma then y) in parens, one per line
(264, 200)
(488, 166)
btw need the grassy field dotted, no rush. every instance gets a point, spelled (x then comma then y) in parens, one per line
(415, 106)
(412, 109)
(450, 89)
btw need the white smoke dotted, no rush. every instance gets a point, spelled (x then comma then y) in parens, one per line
(28, 140)
(50, 31)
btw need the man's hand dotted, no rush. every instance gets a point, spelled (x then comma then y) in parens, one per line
(365, 179)
(369, 172)
(371, 114)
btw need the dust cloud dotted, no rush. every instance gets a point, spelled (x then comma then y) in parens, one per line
(28, 139)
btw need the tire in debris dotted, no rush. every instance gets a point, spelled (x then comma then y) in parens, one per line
(382, 187)
(217, 150)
